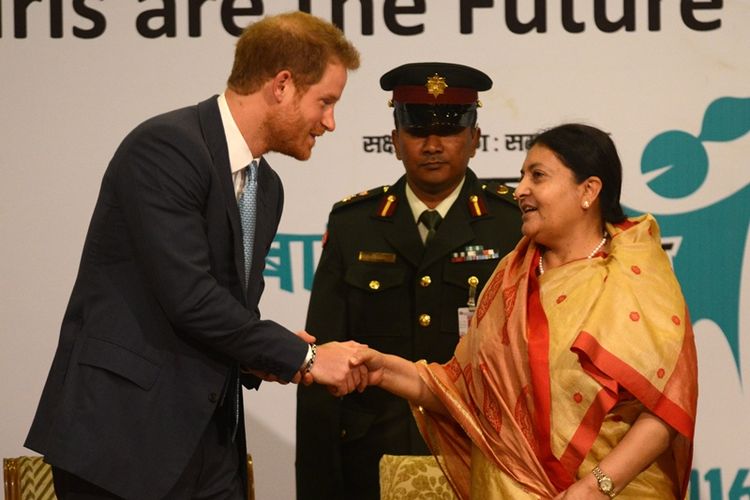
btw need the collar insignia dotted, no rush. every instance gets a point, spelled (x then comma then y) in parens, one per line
(387, 206)
(477, 208)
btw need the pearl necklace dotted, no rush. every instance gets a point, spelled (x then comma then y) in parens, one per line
(591, 255)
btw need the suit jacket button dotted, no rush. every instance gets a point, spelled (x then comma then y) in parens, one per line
(213, 397)
(425, 281)
(343, 433)
(424, 320)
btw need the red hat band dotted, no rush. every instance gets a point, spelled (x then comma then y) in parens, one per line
(420, 94)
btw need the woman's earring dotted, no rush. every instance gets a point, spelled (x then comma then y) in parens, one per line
(586, 204)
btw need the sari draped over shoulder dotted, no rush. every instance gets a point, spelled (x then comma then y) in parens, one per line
(555, 370)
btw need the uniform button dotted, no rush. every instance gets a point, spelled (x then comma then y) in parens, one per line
(343, 433)
(213, 397)
(425, 281)
(374, 285)
(502, 189)
(424, 320)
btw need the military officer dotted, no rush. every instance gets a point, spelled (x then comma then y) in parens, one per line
(400, 271)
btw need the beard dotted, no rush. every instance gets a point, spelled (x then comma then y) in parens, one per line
(288, 134)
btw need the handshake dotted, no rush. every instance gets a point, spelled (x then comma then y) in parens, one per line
(340, 366)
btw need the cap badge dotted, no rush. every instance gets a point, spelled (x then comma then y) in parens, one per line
(436, 85)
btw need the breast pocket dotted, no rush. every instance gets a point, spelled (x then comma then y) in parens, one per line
(119, 361)
(377, 300)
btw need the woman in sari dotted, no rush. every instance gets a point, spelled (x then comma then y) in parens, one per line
(578, 377)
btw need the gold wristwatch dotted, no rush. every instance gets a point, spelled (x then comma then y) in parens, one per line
(605, 483)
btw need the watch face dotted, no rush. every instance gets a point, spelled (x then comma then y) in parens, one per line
(605, 484)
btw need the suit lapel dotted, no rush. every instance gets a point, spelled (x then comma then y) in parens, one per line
(213, 132)
(264, 215)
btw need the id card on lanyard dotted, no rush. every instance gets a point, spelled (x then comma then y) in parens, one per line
(466, 313)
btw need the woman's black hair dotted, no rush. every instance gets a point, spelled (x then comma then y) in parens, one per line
(588, 151)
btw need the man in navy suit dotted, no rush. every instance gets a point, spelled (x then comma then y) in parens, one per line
(143, 398)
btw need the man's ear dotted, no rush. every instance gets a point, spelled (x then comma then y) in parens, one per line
(282, 84)
(396, 143)
(476, 133)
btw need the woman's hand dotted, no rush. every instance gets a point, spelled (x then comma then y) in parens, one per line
(584, 489)
(374, 362)
(396, 375)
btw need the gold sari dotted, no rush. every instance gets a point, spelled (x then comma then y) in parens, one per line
(555, 370)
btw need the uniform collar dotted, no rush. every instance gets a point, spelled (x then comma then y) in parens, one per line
(417, 206)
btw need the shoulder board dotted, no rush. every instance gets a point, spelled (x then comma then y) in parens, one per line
(361, 196)
(499, 190)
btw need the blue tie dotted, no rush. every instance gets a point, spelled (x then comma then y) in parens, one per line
(247, 204)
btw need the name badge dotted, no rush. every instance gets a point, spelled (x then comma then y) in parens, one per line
(464, 319)
(387, 257)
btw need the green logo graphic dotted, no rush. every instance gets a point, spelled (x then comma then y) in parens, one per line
(709, 241)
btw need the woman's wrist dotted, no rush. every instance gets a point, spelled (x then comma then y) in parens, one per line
(601, 483)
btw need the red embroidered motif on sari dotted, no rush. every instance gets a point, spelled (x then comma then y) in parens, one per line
(555, 369)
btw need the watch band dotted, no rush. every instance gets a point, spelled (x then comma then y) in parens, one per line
(604, 482)
(311, 361)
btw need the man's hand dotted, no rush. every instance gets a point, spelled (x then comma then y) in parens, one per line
(305, 336)
(332, 367)
(300, 376)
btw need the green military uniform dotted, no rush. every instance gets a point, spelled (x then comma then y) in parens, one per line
(378, 284)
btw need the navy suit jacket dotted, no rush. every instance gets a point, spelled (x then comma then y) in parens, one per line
(158, 318)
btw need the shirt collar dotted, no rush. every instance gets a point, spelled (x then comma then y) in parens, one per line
(417, 206)
(240, 155)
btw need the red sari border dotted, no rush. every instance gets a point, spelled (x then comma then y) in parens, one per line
(537, 332)
(638, 385)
